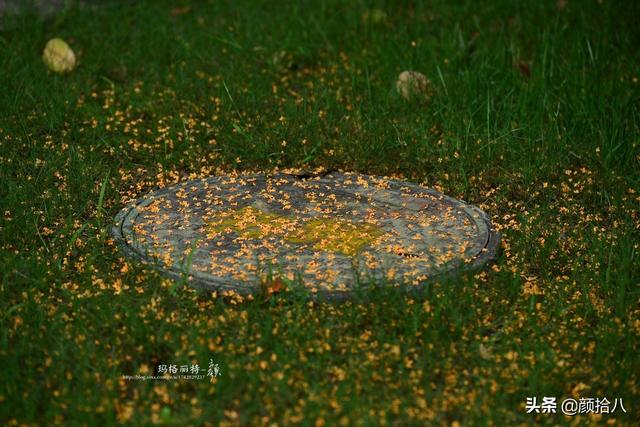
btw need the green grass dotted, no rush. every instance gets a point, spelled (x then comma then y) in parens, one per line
(157, 97)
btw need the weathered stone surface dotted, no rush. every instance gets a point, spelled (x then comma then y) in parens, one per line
(328, 234)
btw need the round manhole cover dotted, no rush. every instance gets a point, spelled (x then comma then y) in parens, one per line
(328, 234)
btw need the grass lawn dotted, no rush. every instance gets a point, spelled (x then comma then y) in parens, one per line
(534, 117)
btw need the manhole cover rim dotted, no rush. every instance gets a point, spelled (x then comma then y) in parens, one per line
(207, 282)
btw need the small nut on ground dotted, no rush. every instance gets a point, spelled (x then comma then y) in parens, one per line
(58, 56)
(412, 84)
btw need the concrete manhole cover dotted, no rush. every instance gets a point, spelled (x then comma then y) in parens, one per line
(328, 234)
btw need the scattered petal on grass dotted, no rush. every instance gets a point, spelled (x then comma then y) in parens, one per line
(484, 352)
(58, 56)
(282, 60)
(273, 286)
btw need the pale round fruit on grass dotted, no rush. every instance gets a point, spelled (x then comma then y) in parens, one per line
(58, 56)
(413, 84)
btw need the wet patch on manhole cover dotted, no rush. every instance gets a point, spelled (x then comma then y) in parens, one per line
(328, 234)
